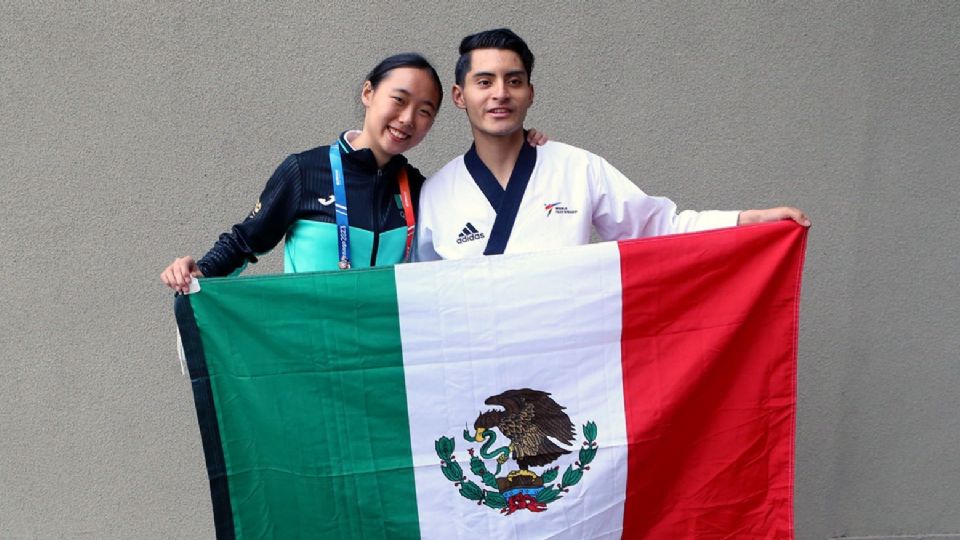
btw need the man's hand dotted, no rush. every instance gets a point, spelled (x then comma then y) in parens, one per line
(177, 276)
(536, 138)
(773, 214)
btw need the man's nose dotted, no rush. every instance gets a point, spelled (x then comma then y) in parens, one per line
(500, 90)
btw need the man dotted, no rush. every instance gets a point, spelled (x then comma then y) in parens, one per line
(503, 196)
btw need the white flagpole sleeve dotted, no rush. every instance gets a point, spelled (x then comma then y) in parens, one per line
(181, 355)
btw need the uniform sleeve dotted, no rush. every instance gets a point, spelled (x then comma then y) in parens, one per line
(622, 210)
(262, 229)
(423, 249)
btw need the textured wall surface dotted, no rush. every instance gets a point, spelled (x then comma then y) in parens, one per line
(133, 133)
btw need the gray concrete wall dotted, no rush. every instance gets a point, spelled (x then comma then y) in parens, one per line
(133, 133)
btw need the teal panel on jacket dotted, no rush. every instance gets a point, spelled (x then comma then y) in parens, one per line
(311, 246)
(393, 245)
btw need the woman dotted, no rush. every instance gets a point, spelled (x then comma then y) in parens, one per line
(365, 217)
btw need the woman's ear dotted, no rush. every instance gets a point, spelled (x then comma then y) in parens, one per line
(366, 94)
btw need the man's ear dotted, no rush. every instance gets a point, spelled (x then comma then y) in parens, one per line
(531, 94)
(366, 94)
(457, 95)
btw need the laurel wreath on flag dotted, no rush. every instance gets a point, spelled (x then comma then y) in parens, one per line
(453, 472)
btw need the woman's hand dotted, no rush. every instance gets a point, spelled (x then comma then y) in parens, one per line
(536, 138)
(178, 275)
(773, 214)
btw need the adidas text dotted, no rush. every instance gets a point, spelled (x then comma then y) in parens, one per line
(469, 237)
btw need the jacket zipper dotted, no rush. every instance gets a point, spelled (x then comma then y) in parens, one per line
(376, 218)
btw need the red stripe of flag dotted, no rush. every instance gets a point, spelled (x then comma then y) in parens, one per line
(709, 363)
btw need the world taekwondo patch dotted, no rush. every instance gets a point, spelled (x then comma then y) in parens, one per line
(559, 208)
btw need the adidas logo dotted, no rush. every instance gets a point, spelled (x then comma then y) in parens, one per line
(469, 233)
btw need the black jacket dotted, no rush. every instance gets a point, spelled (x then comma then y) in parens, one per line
(301, 189)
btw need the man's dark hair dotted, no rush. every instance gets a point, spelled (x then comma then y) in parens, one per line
(501, 38)
(404, 60)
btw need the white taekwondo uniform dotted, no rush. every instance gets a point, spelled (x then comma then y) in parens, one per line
(556, 193)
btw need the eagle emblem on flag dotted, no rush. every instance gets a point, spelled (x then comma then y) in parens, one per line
(537, 429)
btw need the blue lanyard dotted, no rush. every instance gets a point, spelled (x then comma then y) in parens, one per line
(340, 208)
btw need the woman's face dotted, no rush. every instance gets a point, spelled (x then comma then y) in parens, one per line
(400, 111)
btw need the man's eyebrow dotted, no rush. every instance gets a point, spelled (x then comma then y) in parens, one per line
(511, 73)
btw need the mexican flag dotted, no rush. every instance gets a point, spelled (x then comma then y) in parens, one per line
(640, 389)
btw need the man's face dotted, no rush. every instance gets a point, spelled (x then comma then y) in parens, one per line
(496, 92)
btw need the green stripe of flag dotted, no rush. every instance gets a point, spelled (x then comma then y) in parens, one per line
(286, 369)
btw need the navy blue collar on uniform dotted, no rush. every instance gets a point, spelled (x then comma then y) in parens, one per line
(505, 202)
